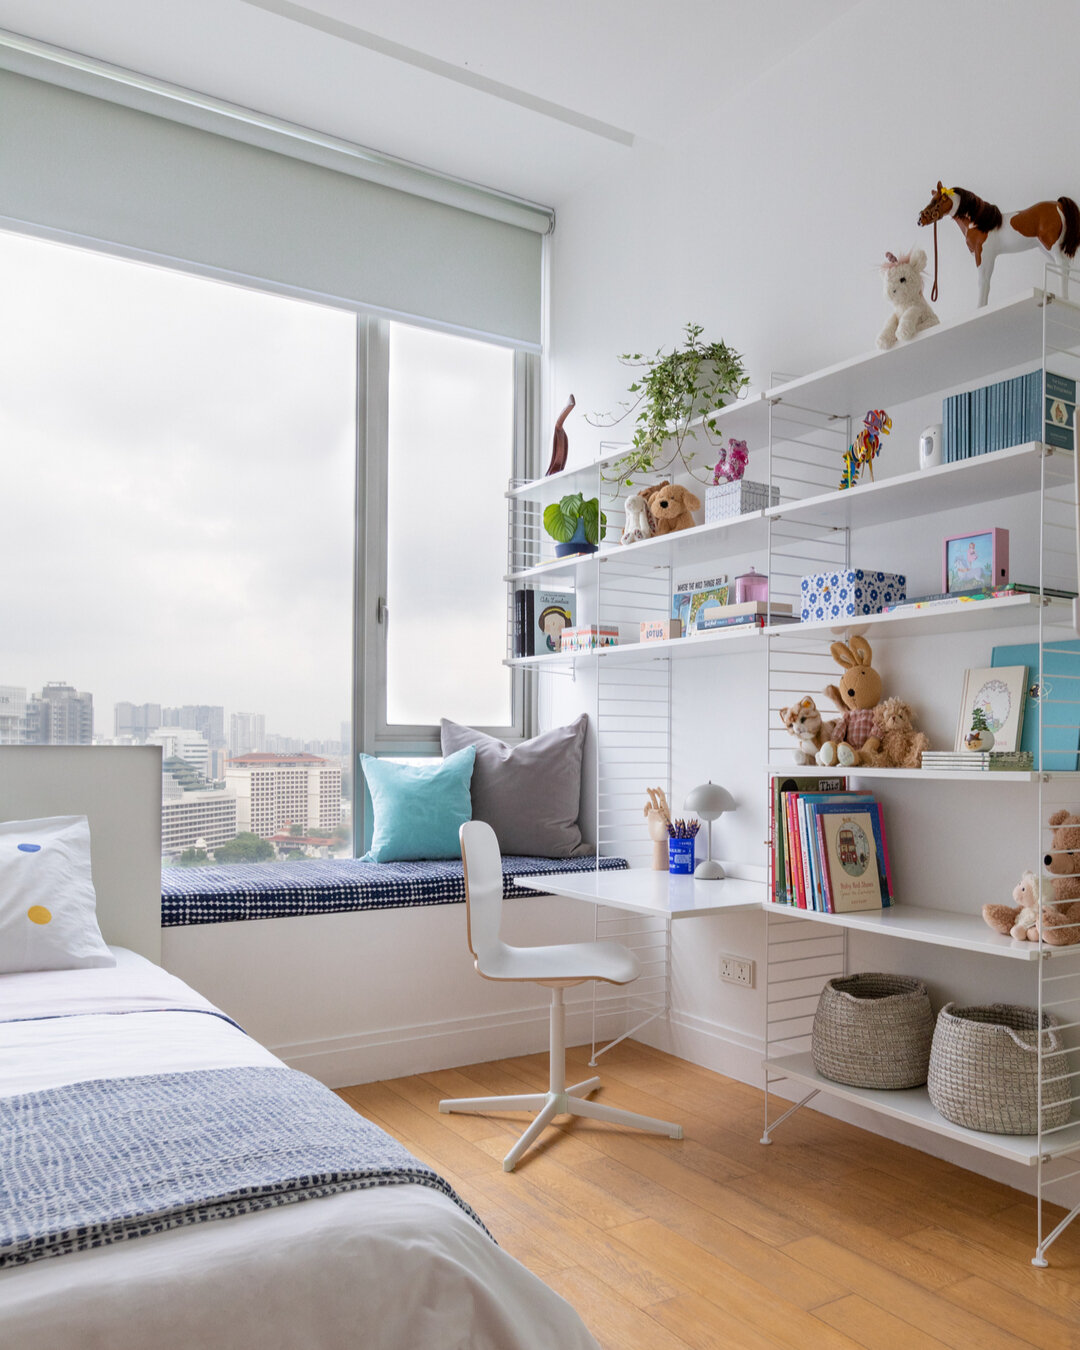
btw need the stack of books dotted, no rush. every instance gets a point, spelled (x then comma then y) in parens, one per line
(753, 612)
(829, 848)
(539, 619)
(978, 761)
(1009, 412)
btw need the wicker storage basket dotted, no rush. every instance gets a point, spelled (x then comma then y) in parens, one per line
(873, 1031)
(984, 1069)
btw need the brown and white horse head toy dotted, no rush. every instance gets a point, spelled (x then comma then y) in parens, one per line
(1053, 226)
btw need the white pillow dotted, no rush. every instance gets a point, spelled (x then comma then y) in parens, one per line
(47, 900)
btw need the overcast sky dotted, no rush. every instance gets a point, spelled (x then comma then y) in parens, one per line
(177, 469)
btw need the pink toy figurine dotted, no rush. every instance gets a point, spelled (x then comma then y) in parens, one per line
(731, 465)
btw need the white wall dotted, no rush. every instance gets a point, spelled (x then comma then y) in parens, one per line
(766, 224)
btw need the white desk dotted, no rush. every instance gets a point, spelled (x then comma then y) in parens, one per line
(655, 893)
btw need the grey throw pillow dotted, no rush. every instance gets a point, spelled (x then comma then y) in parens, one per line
(529, 793)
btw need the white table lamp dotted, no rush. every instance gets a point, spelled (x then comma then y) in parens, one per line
(709, 801)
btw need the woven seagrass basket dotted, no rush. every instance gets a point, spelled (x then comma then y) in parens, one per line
(984, 1069)
(874, 1031)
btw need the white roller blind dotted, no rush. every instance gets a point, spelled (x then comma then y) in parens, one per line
(86, 166)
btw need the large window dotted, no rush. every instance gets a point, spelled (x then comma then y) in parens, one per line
(184, 463)
(179, 484)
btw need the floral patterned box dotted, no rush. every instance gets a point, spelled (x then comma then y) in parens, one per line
(844, 595)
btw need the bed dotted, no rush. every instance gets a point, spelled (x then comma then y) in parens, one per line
(401, 1266)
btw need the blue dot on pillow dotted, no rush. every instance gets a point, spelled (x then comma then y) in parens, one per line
(29, 848)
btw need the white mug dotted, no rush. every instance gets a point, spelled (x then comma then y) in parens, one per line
(930, 446)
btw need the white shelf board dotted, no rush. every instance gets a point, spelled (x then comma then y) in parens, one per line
(790, 770)
(552, 567)
(922, 923)
(997, 476)
(656, 893)
(1004, 334)
(913, 1106)
(1007, 611)
(726, 642)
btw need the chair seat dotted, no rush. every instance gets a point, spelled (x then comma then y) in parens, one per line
(565, 961)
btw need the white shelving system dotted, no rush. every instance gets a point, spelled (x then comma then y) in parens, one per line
(807, 424)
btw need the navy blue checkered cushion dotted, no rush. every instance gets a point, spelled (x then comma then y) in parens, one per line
(199, 895)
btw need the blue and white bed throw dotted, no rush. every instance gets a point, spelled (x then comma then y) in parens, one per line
(99, 1162)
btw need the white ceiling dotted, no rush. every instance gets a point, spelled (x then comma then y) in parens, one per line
(533, 99)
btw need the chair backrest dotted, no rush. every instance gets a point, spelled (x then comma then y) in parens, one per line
(483, 887)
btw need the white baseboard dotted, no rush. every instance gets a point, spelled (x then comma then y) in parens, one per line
(396, 1052)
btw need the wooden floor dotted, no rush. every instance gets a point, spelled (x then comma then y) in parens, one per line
(832, 1237)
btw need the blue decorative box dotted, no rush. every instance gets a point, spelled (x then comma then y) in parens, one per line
(845, 595)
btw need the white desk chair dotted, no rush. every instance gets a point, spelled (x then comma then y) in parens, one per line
(557, 968)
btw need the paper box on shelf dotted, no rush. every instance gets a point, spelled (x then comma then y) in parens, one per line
(588, 638)
(735, 499)
(846, 594)
(660, 630)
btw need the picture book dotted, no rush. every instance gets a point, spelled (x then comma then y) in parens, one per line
(553, 611)
(1057, 748)
(688, 598)
(841, 802)
(850, 859)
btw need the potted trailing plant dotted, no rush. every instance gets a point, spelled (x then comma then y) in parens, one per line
(674, 395)
(576, 523)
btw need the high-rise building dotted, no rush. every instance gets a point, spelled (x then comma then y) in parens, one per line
(192, 815)
(205, 718)
(136, 720)
(13, 726)
(247, 733)
(176, 743)
(61, 715)
(276, 791)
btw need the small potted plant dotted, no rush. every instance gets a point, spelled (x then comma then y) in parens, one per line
(980, 737)
(675, 395)
(576, 523)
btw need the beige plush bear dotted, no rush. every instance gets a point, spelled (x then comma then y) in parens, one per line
(1063, 860)
(857, 697)
(670, 507)
(901, 745)
(1060, 923)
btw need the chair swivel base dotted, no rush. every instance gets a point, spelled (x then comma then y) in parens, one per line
(569, 1101)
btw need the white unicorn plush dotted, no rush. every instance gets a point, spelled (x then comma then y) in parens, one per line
(903, 281)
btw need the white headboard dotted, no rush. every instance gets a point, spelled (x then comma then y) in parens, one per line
(118, 789)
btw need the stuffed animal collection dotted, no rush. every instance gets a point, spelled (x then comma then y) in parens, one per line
(903, 284)
(1060, 923)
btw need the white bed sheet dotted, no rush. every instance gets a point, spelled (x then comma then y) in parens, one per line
(393, 1268)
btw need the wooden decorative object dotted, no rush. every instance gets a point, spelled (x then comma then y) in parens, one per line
(659, 818)
(560, 444)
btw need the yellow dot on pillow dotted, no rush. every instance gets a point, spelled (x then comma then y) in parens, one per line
(39, 914)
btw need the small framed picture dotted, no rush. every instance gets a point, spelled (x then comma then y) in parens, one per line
(1000, 693)
(975, 562)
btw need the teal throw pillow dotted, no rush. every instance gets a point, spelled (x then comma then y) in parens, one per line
(418, 808)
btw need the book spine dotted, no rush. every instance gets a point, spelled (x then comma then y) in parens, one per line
(823, 854)
(878, 816)
(529, 624)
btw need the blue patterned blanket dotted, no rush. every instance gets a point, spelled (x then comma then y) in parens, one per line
(199, 895)
(112, 1159)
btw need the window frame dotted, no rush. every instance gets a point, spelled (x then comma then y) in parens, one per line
(377, 736)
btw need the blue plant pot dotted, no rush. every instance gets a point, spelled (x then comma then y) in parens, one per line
(578, 544)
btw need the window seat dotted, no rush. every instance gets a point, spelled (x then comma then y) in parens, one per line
(201, 895)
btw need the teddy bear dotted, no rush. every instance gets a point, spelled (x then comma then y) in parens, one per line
(670, 507)
(1063, 860)
(903, 283)
(857, 698)
(803, 721)
(901, 745)
(1060, 923)
(637, 521)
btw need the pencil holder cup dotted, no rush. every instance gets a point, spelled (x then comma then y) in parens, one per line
(681, 857)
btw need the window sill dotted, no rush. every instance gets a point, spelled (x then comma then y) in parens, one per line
(235, 894)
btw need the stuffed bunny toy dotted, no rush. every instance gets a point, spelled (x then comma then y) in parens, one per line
(857, 698)
(637, 521)
(903, 283)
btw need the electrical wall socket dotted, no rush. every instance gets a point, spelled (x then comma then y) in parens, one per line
(737, 970)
